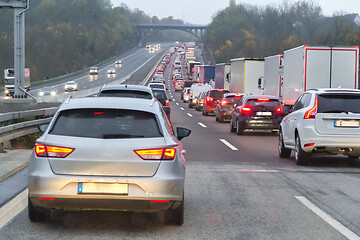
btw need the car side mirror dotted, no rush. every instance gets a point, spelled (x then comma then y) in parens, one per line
(42, 128)
(182, 132)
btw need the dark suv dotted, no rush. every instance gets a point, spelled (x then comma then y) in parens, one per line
(256, 113)
(226, 105)
(211, 100)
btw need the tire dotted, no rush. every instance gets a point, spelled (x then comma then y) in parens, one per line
(283, 152)
(175, 216)
(216, 117)
(301, 157)
(239, 129)
(232, 129)
(206, 113)
(37, 214)
(190, 105)
(221, 119)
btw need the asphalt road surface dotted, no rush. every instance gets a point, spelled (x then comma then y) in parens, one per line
(236, 188)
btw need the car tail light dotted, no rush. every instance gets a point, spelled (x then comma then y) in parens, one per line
(223, 103)
(167, 103)
(263, 99)
(313, 111)
(278, 110)
(309, 144)
(160, 201)
(46, 198)
(52, 151)
(209, 99)
(156, 153)
(246, 110)
(201, 100)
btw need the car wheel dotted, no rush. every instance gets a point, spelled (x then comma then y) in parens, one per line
(221, 119)
(216, 117)
(239, 129)
(190, 105)
(206, 113)
(175, 216)
(232, 129)
(283, 152)
(37, 214)
(301, 157)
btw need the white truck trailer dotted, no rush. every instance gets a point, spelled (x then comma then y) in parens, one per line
(309, 67)
(273, 76)
(222, 75)
(245, 74)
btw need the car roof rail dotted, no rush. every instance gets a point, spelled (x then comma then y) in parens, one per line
(68, 100)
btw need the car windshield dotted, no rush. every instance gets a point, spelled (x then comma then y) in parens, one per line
(232, 99)
(267, 102)
(48, 89)
(218, 94)
(125, 93)
(106, 124)
(159, 94)
(93, 68)
(331, 103)
(161, 86)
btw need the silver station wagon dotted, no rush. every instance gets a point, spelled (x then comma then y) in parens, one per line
(116, 154)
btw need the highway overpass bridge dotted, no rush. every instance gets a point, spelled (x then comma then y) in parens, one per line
(143, 31)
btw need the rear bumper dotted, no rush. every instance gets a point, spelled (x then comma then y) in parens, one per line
(329, 144)
(260, 124)
(166, 184)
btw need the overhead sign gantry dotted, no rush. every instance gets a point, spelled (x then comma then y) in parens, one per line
(19, 6)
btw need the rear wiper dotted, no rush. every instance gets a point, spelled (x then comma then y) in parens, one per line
(336, 111)
(114, 136)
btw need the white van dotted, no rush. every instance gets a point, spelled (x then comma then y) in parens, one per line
(195, 90)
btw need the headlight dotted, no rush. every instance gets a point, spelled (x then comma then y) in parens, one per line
(53, 93)
(7, 91)
(41, 94)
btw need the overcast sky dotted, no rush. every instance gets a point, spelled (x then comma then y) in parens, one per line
(202, 11)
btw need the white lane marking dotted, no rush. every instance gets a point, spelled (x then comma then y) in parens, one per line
(182, 108)
(229, 145)
(13, 208)
(327, 218)
(203, 125)
(177, 104)
(189, 115)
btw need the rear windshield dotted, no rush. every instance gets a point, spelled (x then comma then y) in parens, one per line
(125, 93)
(106, 124)
(188, 84)
(218, 94)
(161, 86)
(269, 103)
(232, 99)
(159, 94)
(338, 103)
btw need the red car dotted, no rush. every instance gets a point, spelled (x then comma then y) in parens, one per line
(212, 99)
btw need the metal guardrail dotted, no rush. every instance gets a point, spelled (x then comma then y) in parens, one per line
(12, 131)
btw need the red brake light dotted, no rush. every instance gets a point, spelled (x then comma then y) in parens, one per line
(52, 151)
(160, 201)
(246, 110)
(40, 150)
(157, 154)
(223, 103)
(278, 110)
(167, 103)
(263, 99)
(313, 111)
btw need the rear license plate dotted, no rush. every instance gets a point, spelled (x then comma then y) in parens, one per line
(346, 123)
(263, 113)
(103, 188)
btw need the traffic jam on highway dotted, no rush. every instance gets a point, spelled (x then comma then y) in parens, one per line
(122, 150)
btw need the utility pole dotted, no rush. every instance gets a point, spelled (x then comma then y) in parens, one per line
(20, 6)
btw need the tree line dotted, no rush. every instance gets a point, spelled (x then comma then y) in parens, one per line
(249, 31)
(69, 35)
